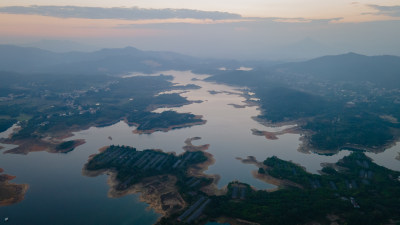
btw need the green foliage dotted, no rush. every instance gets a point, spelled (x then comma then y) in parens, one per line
(150, 120)
(65, 145)
(55, 103)
(378, 197)
(282, 104)
(363, 130)
(132, 166)
(6, 123)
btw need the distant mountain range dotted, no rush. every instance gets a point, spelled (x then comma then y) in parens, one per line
(381, 70)
(304, 49)
(60, 46)
(105, 61)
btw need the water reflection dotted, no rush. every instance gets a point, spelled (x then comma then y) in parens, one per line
(59, 194)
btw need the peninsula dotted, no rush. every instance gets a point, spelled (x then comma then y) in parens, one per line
(162, 178)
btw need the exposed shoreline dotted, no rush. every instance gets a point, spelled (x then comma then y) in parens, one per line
(11, 193)
(266, 177)
(26, 146)
(190, 147)
(274, 135)
(157, 106)
(199, 169)
(305, 136)
(50, 141)
(160, 191)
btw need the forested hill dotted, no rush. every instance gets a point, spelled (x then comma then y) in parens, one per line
(105, 61)
(383, 71)
(345, 100)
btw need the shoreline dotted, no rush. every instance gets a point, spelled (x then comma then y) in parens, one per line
(153, 107)
(159, 191)
(190, 147)
(274, 135)
(136, 131)
(305, 136)
(49, 145)
(11, 193)
(199, 169)
(279, 183)
(305, 146)
(50, 141)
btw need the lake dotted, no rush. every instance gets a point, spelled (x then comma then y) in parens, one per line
(60, 194)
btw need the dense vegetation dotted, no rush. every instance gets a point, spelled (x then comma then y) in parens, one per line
(345, 101)
(350, 131)
(132, 165)
(150, 120)
(360, 193)
(66, 146)
(6, 123)
(47, 103)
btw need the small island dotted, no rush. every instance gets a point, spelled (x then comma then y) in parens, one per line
(68, 146)
(149, 122)
(274, 135)
(10, 193)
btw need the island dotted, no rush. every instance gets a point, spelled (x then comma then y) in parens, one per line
(10, 193)
(167, 182)
(274, 135)
(150, 122)
(68, 146)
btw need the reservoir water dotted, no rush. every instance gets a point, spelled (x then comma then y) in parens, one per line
(60, 194)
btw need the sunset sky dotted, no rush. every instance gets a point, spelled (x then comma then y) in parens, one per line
(242, 28)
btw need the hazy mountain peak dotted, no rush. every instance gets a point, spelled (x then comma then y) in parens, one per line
(61, 46)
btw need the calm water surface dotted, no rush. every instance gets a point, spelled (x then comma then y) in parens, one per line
(59, 194)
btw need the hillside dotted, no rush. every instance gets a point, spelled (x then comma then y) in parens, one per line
(383, 70)
(109, 61)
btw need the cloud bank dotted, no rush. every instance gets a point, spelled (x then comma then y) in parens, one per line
(393, 11)
(134, 13)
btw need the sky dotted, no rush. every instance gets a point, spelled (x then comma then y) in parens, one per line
(239, 29)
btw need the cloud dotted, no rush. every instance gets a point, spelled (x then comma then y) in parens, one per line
(134, 13)
(148, 16)
(393, 11)
(305, 20)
